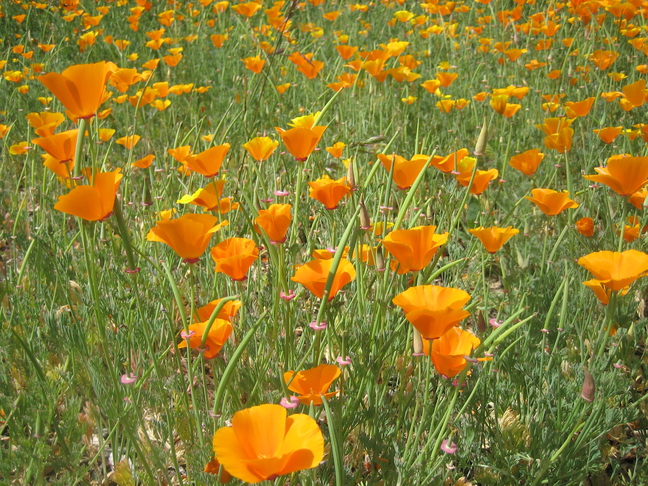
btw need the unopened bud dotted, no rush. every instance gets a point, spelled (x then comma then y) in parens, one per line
(365, 219)
(351, 181)
(380, 260)
(481, 322)
(417, 342)
(480, 146)
(147, 199)
(589, 387)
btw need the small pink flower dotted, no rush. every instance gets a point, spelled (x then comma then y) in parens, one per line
(495, 323)
(343, 361)
(450, 448)
(289, 296)
(291, 402)
(128, 379)
(187, 335)
(269, 200)
(282, 193)
(418, 354)
(318, 326)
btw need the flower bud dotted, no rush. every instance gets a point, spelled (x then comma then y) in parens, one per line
(589, 388)
(365, 219)
(480, 146)
(351, 181)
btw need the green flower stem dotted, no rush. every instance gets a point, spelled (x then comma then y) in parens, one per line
(622, 226)
(411, 193)
(336, 447)
(213, 316)
(610, 317)
(78, 152)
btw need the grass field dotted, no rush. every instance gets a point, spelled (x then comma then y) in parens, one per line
(425, 223)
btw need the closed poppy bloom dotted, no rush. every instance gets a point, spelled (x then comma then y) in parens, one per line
(313, 383)
(624, 174)
(261, 148)
(93, 202)
(263, 443)
(616, 270)
(314, 274)
(274, 221)
(481, 181)
(450, 350)
(551, 202)
(45, 123)
(217, 337)
(301, 141)
(328, 191)
(80, 88)
(585, 226)
(608, 134)
(228, 312)
(405, 171)
(561, 141)
(188, 235)
(527, 162)
(208, 162)
(61, 146)
(414, 248)
(431, 309)
(234, 257)
(493, 238)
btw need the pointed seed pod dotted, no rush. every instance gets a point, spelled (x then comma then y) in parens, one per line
(480, 146)
(589, 388)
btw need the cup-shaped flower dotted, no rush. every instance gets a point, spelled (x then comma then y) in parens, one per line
(551, 202)
(311, 384)
(188, 235)
(263, 443)
(80, 88)
(624, 174)
(450, 350)
(261, 148)
(208, 198)
(314, 274)
(527, 162)
(602, 293)
(301, 141)
(274, 221)
(208, 162)
(616, 270)
(234, 257)
(405, 171)
(254, 63)
(45, 123)
(229, 310)
(585, 226)
(493, 238)
(61, 146)
(218, 335)
(433, 310)
(481, 181)
(414, 248)
(93, 202)
(328, 191)
(449, 162)
(561, 141)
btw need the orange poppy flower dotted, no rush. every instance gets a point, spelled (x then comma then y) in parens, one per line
(561, 141)
(209, 198)
(188, 235)
(313, 383)
(603, 59)
(493, 238)
(247, 9)
(94, 202)
(144, 162)
(328, 191)
(217, 337)
(128, 142)
(414, 248)
(608, 134)
(638, 198)
(208, 162)
(274, 221)
(448, 163)
(314, 274)
(624, 174)
(574, 109)
(450, 350)
(481, 181)
(551, 126)
(431, 309)
(261, 148)
(602, 293)
(254, 64)
(234, 257)
(228, 312)
(585, 226)
(527, 162)
(45, 123)
(500, 104)
(405, 171)
(336, 150)
(636, 92)
(301, 141)
(61, 146)
(551, 202)
(80, 88)
(616, 270)
(263, 443)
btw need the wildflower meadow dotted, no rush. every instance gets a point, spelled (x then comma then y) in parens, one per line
(323, 243)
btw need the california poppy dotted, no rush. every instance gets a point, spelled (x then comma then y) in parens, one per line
(602, 293)
(188, 235)
(585, 226)
(263, 443)
(608, 134)
(575, 109)
(229, 310)
(336, 150)
(616, 270)
(261, 148)
(405, 171)
(93, 202)
(313, 383)
(208, 162)
(481, 180)
(433, 310)
(217, 337)
(234, 257)
(450, 350)
(560, 141)
(301, 141)
(551, 202)
(414, 248)
(329, 191)
(448, 163)
(527, 162)
(638, 198)
(624, 174)
(314, 274)
(275, 221)
(45, 123)
(254, 64)
(209, 198)
(80, 88)
(493, 238)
